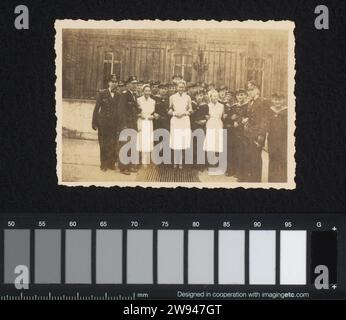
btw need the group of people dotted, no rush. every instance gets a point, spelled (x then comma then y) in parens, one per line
(249, 122)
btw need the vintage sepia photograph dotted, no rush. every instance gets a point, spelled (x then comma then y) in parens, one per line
(151, 103)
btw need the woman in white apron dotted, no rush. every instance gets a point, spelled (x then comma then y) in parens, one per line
(214, 127)
(145, 137)
(180, 130)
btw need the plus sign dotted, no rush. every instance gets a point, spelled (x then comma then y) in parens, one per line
(334, 286)
(334, 228)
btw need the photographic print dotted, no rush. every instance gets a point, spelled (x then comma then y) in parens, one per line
(175, 103)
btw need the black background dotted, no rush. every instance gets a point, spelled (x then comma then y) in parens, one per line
(28, 181)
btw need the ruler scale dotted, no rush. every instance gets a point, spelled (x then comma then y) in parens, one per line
(127, 257)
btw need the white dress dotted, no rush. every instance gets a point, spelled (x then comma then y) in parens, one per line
(145, 137)
(180, 131)
(214, 128)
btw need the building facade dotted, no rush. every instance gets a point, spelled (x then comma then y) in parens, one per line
(223, 57)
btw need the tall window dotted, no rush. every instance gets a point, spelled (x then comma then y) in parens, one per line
(111, 65)
(183, 66)
(255, 69)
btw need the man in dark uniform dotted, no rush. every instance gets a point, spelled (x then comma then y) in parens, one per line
(277, 139)
(198, 121)
(162, 108)
(128, 114)
(154, 85)
(230, 97)
(255, 130)
(235, 134)
(228, 123)
(162, 117)
(155, 91)
(105, 121)
(139, 87)
(121, 86)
